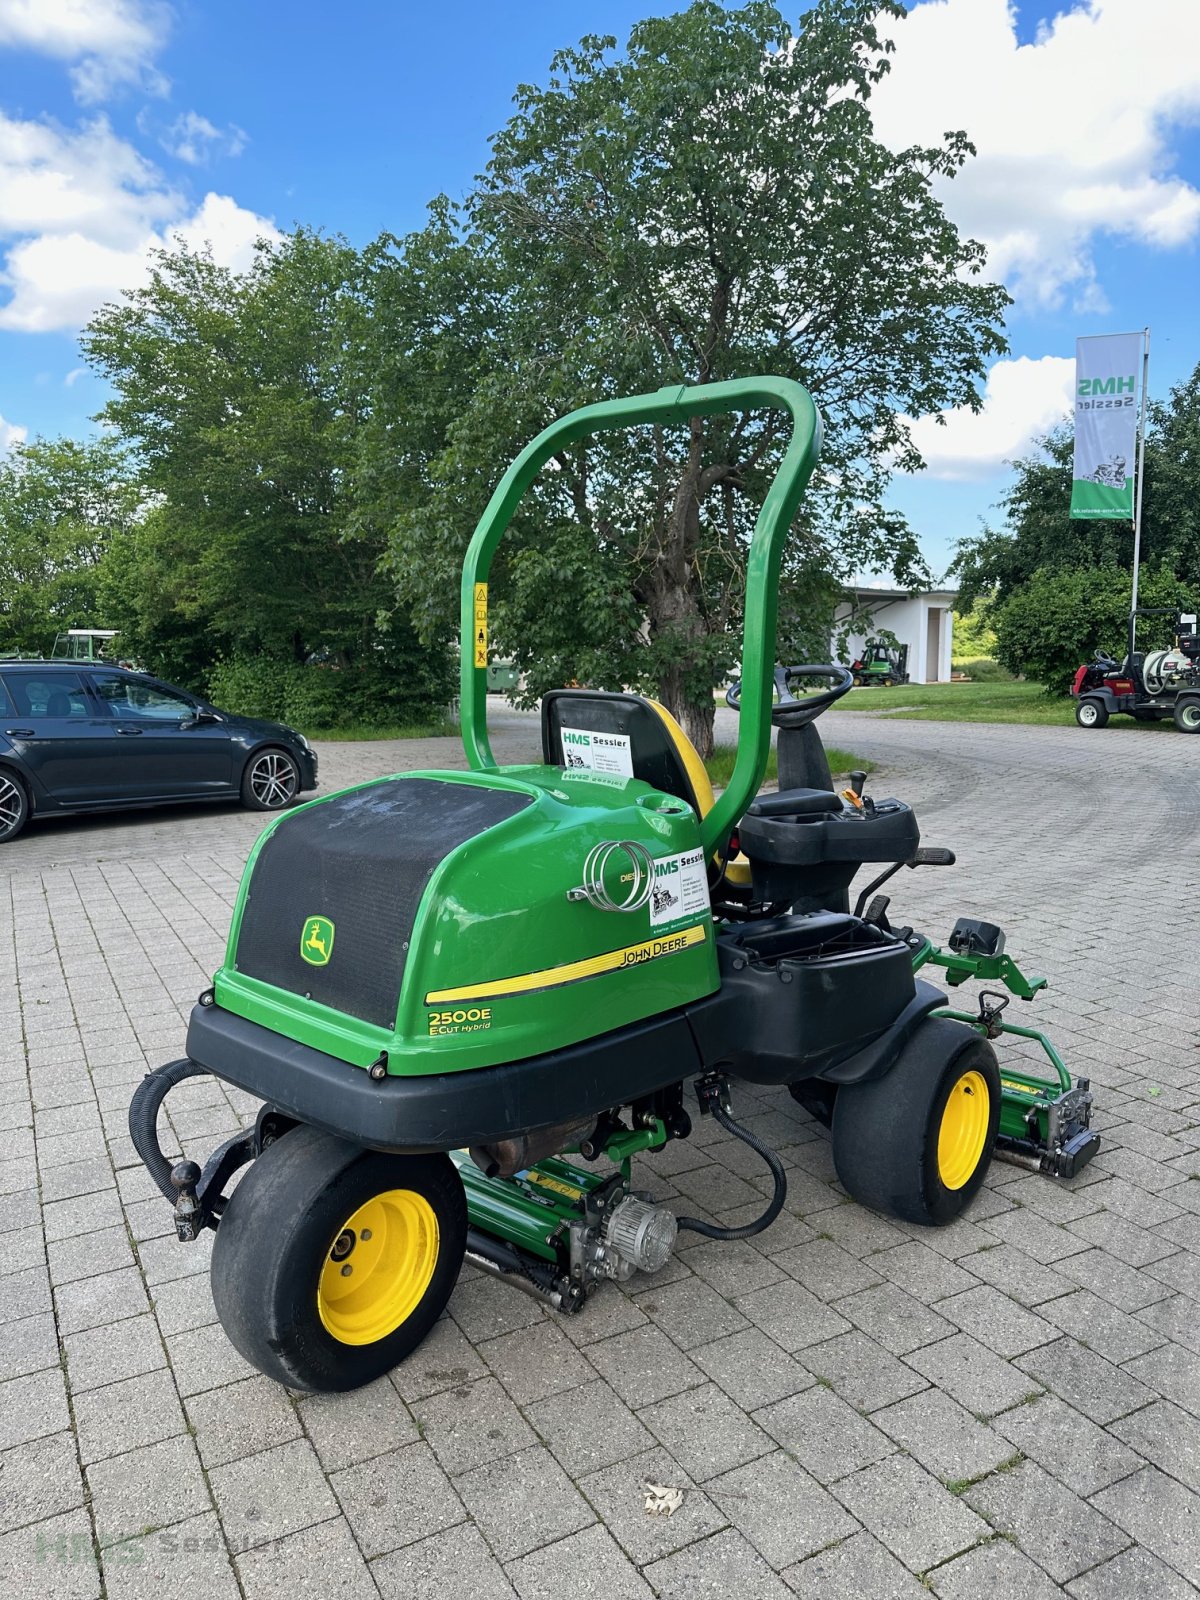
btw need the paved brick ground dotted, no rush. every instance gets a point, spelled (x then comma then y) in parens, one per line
(854, 1408)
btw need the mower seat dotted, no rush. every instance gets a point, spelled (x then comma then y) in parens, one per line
(627, 735)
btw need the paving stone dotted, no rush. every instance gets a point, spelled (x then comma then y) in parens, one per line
(1127, 1288)
(715, 1569)
(1085, 1380)
(1167, 1436)
(921, 1273)
(1053, 1526)
(784, 1513)
(124, 1416)
(536, 1362)
(1016, 1274)
(549, 1573)
(752, 1369)
(1173, 1319)
(39, 1479)
(734, 1268)
(895, 1319)
(54, 1560)
(32, 1407)
(643, 1366)
(272, 1494)
(616, 1494)
(523, 1502)
(909, 1511)
(824, 1434)
(204, 1358)
(690, 1312)
(862, 1372)
(705, 1432)
(469, 1426)
(790, 1315)
(312, 1564)
(484, 1308)
(92, 1302)
(120, 1350)
(148, 1487)
(827, 1270)
(992, 1571)
(973, 1375)
(1112, 1333)
(182, 1559)
(452, 1563)
(184, 1303)
(243, 1418)
(1160, 1514)
(27, 1345)
(444, 1360)
(944, 1438)
(1174, 1372)
(1136, 1246)
(1134, 1573)
(857, 1569)
(1069, 1445)
(998, 1321)
(589, 1427)
(605, 1314)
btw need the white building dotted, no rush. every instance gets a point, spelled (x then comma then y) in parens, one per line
(923, 622)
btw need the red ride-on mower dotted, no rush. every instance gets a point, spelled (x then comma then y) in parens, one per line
(1147, 687)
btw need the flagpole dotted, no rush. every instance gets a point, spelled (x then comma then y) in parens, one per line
(1141, 466)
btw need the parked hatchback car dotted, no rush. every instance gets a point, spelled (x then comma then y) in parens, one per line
(79, 736)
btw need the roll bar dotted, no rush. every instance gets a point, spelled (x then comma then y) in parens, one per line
(671, 404)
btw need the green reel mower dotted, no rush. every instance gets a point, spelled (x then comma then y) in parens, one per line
(467, 1000)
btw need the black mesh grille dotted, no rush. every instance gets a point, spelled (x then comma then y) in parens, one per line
(362, 860)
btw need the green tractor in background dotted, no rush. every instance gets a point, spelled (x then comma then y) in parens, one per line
(884, 662)
(467, 1000)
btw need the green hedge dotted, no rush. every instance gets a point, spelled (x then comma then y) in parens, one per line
(984, 669)
(326, 696)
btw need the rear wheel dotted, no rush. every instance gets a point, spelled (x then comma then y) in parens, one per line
(917, 1143)
(332, 1263)
(1187, 716)
(14, 806)
(816, 1097)
(1091, 714)
(271, 780)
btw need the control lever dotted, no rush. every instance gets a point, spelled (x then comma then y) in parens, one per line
(928, 855)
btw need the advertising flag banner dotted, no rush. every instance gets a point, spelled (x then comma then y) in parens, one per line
(1106, 419)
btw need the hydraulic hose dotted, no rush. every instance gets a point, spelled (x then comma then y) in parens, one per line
(749, 1229)
(143, 1117)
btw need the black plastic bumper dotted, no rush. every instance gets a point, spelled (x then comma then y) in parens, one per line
(448, 1110)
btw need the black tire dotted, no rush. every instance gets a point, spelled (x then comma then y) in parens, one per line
(14, 805)
(1091, 713)
(816, 1097)
(271, 780)
(886, 1134)
(287, 1223)
(1187, 715)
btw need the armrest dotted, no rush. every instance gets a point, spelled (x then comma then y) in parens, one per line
(796, 803)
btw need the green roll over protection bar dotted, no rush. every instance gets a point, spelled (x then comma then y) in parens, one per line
(672, 404)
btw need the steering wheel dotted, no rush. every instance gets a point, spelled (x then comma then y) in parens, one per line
(793, 712)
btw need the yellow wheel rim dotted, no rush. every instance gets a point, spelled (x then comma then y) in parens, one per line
(964, 1129)
(390, 1246)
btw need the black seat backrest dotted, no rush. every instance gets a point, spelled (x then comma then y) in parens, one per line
(59, 704)
(622, 734)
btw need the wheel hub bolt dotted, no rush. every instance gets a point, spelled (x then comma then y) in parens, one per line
(347, 1270)
(365, 1235)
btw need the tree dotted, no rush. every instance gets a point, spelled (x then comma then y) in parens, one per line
(62, 504)
(1041, 535)
(710, 203)
(1059, 618)
(242, 396)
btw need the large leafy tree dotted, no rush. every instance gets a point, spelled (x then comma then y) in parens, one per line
(62, 505)
(709, 203)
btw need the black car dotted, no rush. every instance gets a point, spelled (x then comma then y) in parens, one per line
(78, 736)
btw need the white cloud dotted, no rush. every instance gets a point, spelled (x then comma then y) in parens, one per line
(1022, 400)
(81, 211)
(10, 434)
(109, 43)
(1072, 131)
(194, 139)
(73, 377)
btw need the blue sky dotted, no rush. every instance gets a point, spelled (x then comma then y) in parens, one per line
(122, 121)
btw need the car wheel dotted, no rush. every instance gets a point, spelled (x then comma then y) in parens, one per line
(271, 780)
(1091, 713)
(1187, 716)
(14, 806)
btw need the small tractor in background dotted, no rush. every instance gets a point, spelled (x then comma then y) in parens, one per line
(1146, 686)
(884, 661)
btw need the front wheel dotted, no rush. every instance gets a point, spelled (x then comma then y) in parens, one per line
(271, 780)
(332, 1263)
(14, 806)
(1187, 716)
(1091, 714)
(917, 1143)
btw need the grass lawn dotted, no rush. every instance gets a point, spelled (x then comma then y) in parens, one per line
(975, 702)
(720, 764)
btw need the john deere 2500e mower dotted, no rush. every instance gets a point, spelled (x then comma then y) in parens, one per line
(468, 999)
